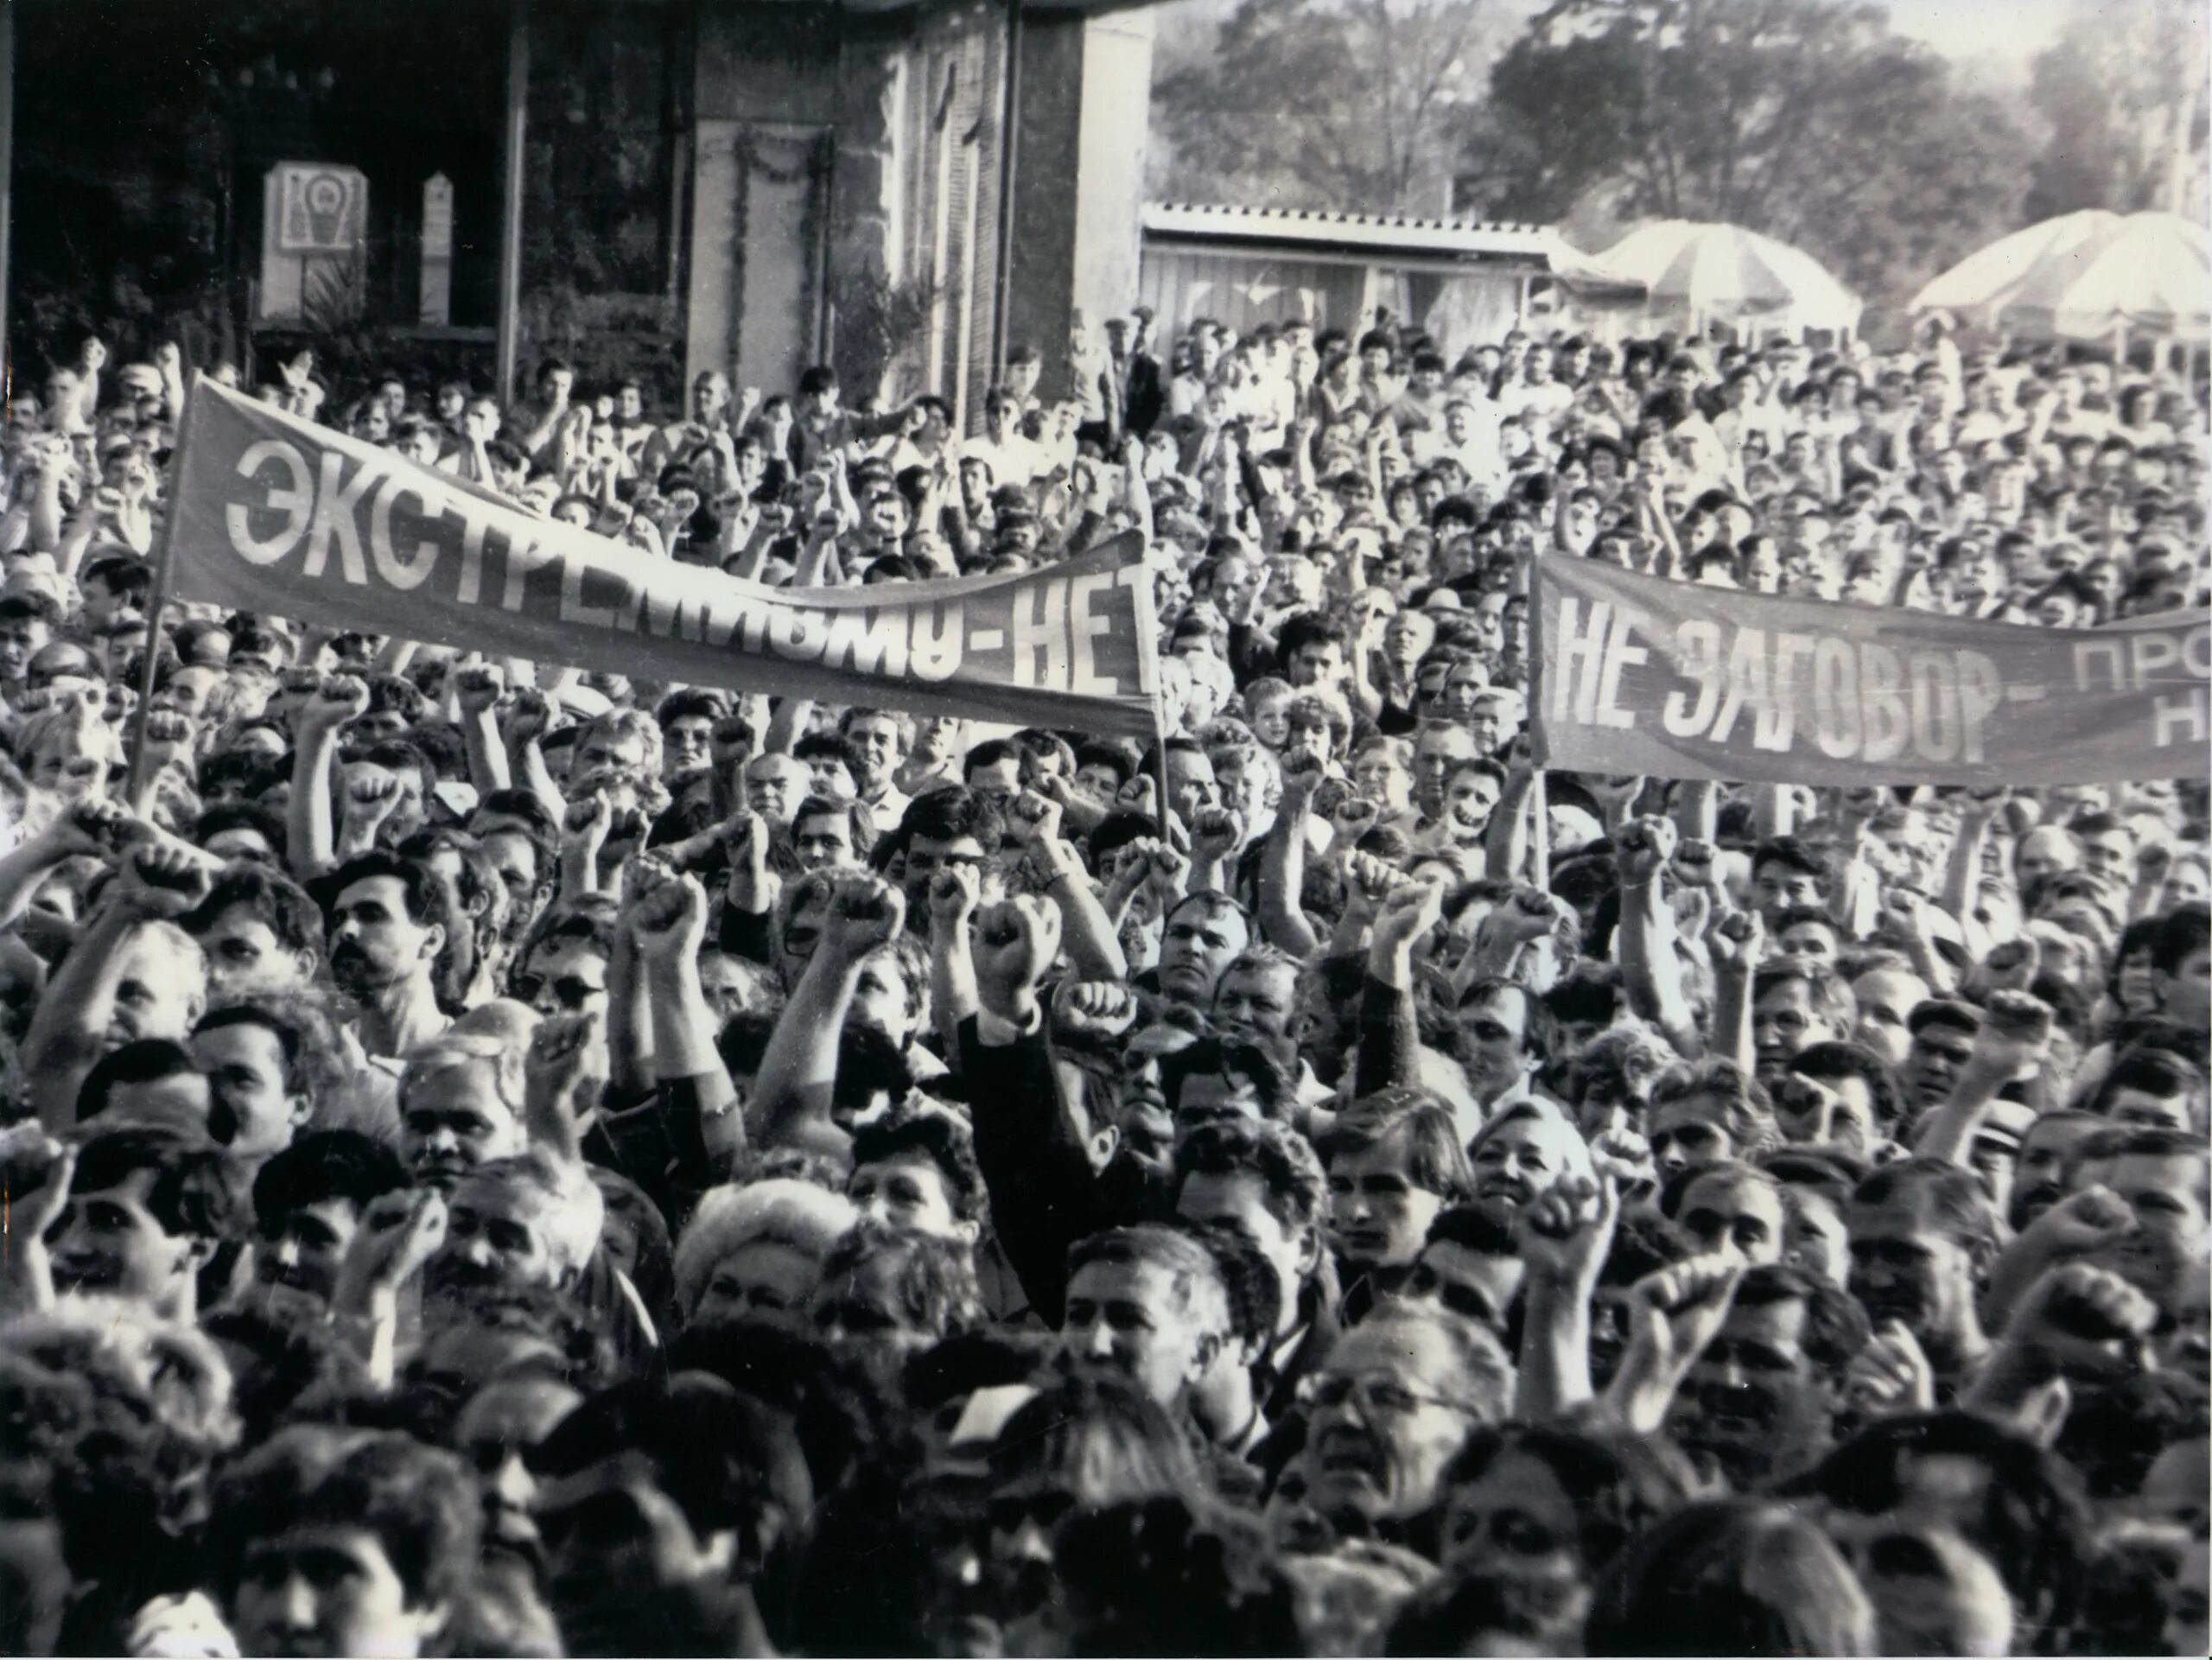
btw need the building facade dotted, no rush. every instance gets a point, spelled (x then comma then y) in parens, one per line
(646, 188)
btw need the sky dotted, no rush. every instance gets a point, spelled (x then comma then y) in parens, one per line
(2009, 31)
(1997, 35)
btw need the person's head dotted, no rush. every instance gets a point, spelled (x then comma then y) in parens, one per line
(1757, 1400)
(1796, 1003)
(147, 1208)
(499, 1429)
(2046, 851)
(1951, 1474)
(1148, 1303)
(1787, 876)
(2151, 1087)
(1885, 998)
(331, 1541)
(1091, 1440)
(915, 1172)
(1469, 1266)
(1439, 749)
(384, 917)
(1704, 1111)
(1541, 1509)
(891, 1293)
(1393, 1161)
(2181, 966)
(1204, 934)
(2161, 1175)
(460, 1105)
(1211, 1079)
(2047, 1152)
(1504, 1034)
(1837, 1095)
(1255, 998)
(308, 1199)
(149, 1081)
(1940, 1032)
(955, 825)
(253, 1057)
(655, 1496)
(1729, 1576)
(560, 968)
(1392, 1406)
(829, 834)
(525, 1222)
(687, 720)
(258, 931)
(1922, 1237)
(775, 785)
(1521, 1153)
(1263, 1183)
(1729, 1209)
(755, 1253)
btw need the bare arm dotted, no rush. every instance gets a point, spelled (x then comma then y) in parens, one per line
(1282, 869)
(798, 1074)
(311, 835)
(66, 1036)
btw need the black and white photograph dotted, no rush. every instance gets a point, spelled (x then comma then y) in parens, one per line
(1009, 829)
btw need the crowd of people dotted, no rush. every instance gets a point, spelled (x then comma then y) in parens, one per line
(508, 1161)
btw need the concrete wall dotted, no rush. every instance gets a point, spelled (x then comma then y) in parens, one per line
(772, 76)
(1084, 103)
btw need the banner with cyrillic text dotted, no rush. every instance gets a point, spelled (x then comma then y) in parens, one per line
(1678, 680)
(274, 515)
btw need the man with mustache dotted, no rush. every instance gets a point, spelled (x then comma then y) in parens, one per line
(383, 917)
(1759, 1399)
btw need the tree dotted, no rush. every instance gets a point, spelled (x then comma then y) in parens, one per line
(1807, 119)
(1350, 104)
(2122, 88)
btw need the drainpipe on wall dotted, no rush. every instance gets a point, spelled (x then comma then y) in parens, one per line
(1009, 147)
(511, 136)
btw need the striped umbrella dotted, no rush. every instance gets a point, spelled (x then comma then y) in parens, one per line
(1726, 274)
(2086, 276)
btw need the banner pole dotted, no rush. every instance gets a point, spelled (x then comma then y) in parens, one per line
(1539, 807)
(1160, 771)
(157, 604)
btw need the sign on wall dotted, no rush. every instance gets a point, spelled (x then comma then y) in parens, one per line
(321, 209)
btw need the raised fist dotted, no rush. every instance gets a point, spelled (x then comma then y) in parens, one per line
(2015, 1035)
(865, 914)
(1642, 848)
(480, 687)
(1736, 942)
(1407, 913)
(670, 920)
(340, 698)
(1094, 1011)
(1014, 943)
(1032, 818)
(168, 873)
(953, 892)
(1215, 832)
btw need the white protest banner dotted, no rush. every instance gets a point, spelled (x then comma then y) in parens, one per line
(1677, 680)
(276, 515)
